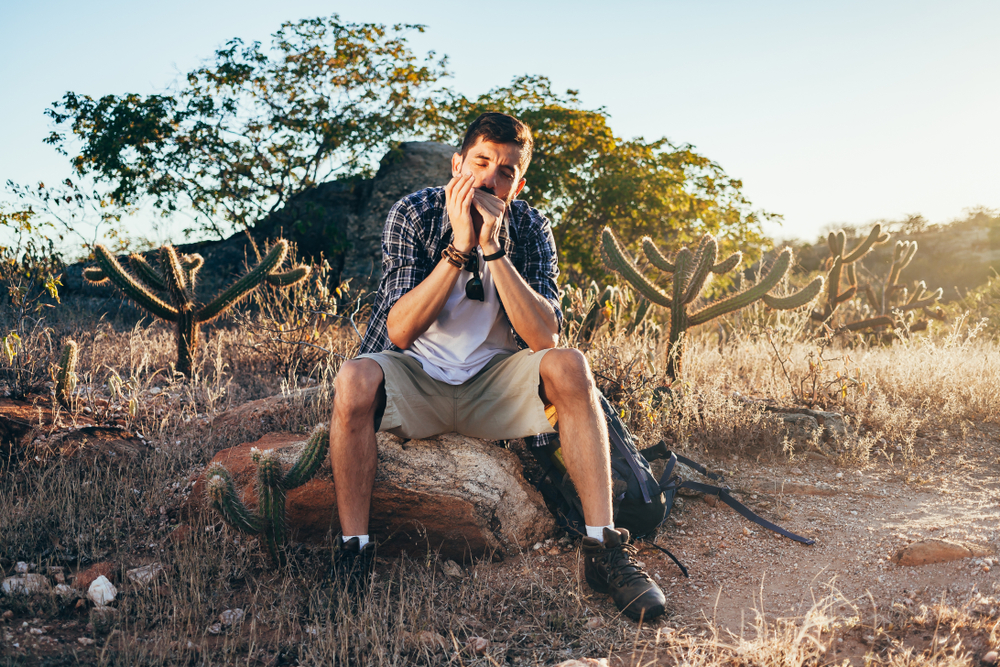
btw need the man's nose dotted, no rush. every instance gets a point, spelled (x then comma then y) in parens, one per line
(489, 178)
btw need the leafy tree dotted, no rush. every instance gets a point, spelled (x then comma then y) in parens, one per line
(584, 178)
(242, 135)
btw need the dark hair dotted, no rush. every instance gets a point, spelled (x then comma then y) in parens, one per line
(499, 128)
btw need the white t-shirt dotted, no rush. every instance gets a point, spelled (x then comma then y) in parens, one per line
(466, 333)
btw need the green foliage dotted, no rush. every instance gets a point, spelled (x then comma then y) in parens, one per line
(690, 273)
(585, 178)
(595, 309)
(176, 277)
(272, 485)
(243, 134)
(66, 374)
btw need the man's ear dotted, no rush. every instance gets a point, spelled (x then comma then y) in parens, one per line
(520, 186)
(456, 165)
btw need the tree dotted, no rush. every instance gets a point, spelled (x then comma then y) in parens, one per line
(245, 133)
(584, 178)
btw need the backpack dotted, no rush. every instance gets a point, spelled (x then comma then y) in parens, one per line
(640, 502)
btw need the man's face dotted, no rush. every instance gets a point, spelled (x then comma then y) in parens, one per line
(494, 166)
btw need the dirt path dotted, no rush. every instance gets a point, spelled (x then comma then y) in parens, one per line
(859, 520)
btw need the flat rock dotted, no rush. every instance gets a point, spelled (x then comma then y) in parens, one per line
(26, 584)
(926, 552)
(282, 412)
(463, 496)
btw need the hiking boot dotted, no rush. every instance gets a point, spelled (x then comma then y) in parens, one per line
(352, 565)
(612, 568)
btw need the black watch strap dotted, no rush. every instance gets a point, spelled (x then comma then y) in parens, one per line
(497, 255)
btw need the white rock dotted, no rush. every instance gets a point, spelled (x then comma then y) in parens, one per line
(145, 574)
(85, 641)
(26, 584)
(22, 568)
(65, 592)
(154, 390)
(102, 591)
(231, 616)
(215, 628)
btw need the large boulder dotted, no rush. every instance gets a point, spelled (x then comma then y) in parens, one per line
(464, 497)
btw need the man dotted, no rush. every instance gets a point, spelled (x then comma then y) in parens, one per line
(462, 338)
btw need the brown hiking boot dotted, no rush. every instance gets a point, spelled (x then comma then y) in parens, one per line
(611, 568)
(352, 566)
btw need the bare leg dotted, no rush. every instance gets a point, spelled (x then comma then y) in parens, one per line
(360, 392)
(567, 383)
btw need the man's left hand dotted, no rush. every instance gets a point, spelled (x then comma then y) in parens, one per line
(491, 209)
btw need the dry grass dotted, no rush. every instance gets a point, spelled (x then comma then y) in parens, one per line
(74, 513)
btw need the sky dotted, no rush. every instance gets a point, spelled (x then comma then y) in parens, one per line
(829, 113)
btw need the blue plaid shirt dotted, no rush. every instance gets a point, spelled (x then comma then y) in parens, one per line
(417, 229)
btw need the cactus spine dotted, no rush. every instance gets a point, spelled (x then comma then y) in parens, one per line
(691, 271)
(176, 277)
(272, 485)
(66, 374)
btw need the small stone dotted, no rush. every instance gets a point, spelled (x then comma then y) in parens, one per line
(66, 592)
(102, 592)
(215, 628)
(84, 641)
(840, 475)
(452, 569)
(22, 567)
(594, 623)
(26, 584)
(538, 545)
(145, 574)
(232, 616)
(103, 619)
(154, 391)
(746, 532)
(7, 615)
(991, 658)
(584, 662)
(478, 645)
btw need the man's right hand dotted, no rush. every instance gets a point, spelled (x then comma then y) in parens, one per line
(458, 196)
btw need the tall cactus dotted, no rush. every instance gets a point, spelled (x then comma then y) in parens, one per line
(882, 303)
(66, 374)
(691, 271)
(842, 265)
(272, 485)
(176, 277)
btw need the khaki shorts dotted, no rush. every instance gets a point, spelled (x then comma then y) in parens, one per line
(500, 402)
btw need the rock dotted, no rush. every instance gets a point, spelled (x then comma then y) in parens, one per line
(802, 424)
(86, 577)
(103, 619)
(800, 429)
(594, 623)
(145, 574)
(936, 550)
(102, 592)
(425, 639)
(452, 569)
(84, 641)
(26, 584)
(991, 658)
(232, 617)
(67, 593)
(7, 615)
(463, 496)
(478, 645)
(584, 662)
(22, 568)
(215, 629)
(283, 412)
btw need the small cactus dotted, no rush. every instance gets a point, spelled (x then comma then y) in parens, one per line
(66, 374)
(272, 485)
(691, 271)
(176, 277)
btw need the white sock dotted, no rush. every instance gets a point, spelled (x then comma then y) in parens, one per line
(362, 539)
(597, 532)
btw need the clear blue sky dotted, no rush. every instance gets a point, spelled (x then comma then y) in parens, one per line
(828, 112)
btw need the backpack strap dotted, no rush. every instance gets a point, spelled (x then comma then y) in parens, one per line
(679, 564)
(723, 494)
(617, 434)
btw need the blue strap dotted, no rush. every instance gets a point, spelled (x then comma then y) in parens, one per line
(724, 495)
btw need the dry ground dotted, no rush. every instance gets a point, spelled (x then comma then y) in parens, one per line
(921, 461)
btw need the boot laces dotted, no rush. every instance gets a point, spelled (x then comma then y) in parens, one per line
(622, 565)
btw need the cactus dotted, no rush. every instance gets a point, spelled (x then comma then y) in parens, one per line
(691, 271)
(66, 374)
(882, 303)
(176, 277)
(842, 265)
(272, 485)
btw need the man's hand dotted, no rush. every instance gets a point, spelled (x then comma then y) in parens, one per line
(458, 196)
(491, 210)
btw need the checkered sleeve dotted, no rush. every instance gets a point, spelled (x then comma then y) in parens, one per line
(541, 265)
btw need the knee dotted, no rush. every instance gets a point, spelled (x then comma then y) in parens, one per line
(566, 371)
(356, 385)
